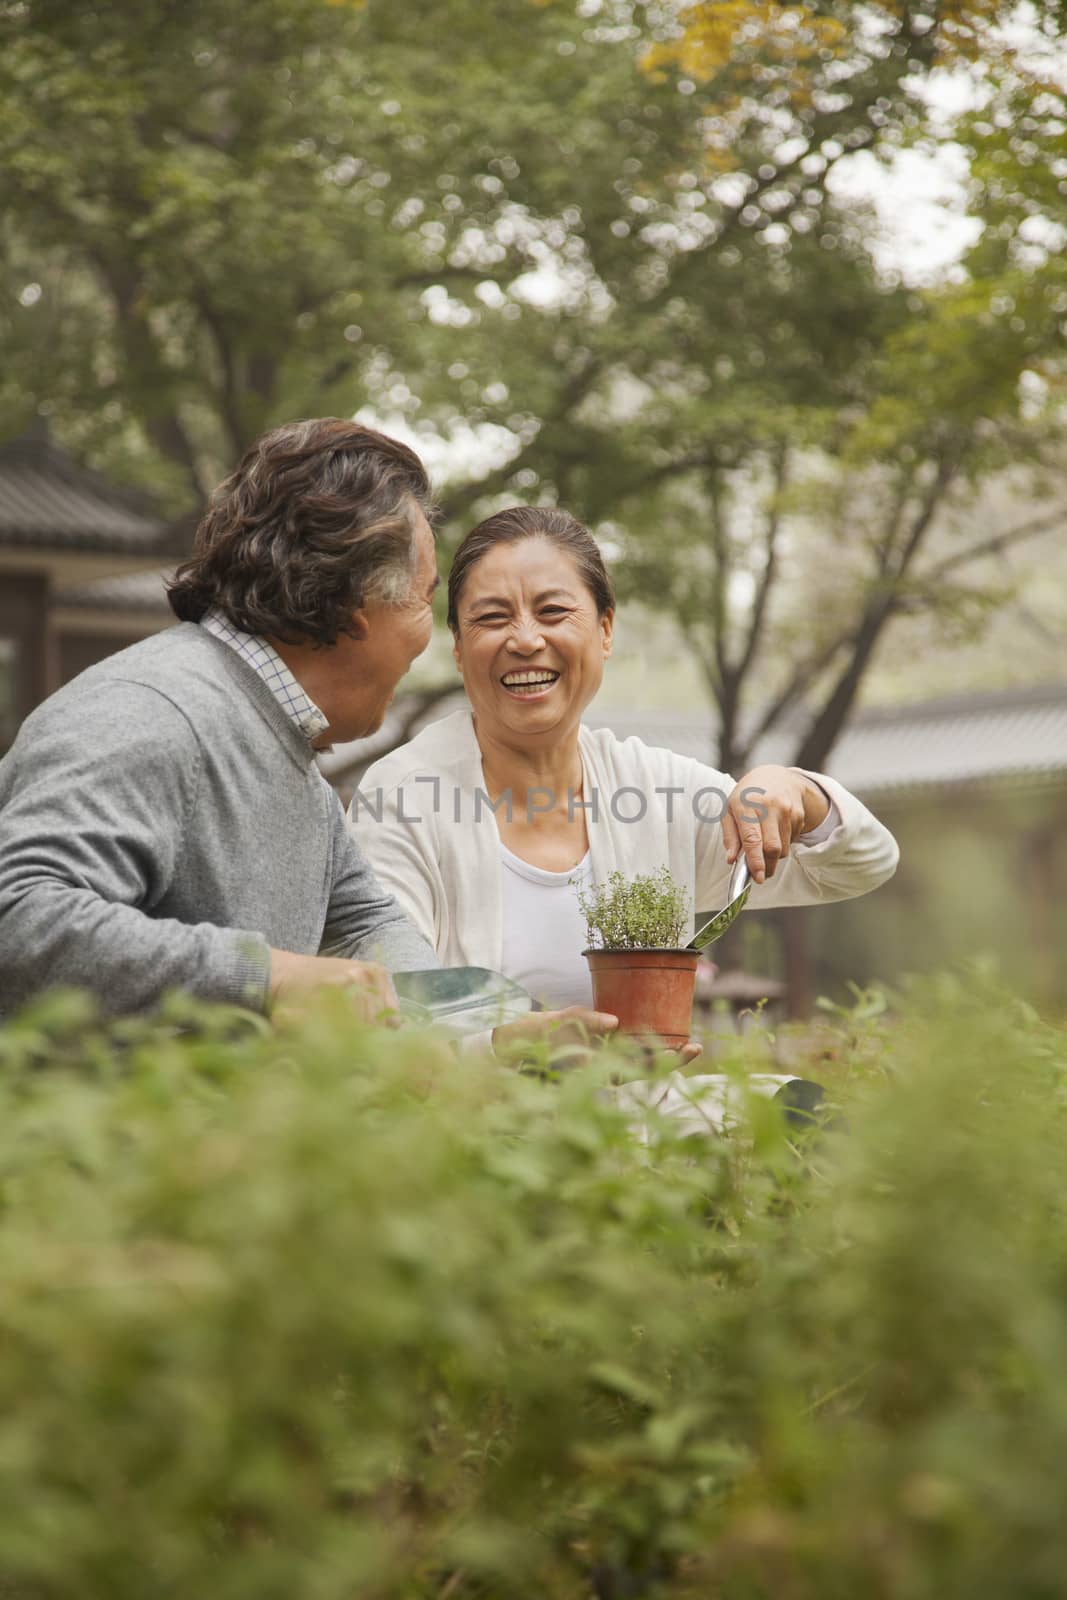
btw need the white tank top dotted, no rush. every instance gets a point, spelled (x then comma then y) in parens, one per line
(544, 931)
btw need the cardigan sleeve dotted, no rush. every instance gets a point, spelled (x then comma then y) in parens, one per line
(363, 920)
(391, 830)
(858, 855)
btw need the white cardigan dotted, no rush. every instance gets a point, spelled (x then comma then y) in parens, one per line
(435, 845)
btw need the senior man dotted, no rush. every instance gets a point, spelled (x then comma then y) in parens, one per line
(163, 824)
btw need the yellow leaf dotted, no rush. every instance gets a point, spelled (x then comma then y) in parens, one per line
(721, 33)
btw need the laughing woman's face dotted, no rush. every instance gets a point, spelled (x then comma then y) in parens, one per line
(530, 644)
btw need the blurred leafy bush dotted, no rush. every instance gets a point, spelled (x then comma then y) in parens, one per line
(332, 1313)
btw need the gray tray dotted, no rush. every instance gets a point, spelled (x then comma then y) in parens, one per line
(464, 1000)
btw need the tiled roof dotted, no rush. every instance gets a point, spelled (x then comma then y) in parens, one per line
(133, 591)
(962, 738)
(48, 501)
(686, 734)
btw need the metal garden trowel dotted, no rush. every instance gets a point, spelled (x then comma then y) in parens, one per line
(736, 897)
(463, 999)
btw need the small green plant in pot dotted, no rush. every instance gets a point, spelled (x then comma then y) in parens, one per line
(641, 974)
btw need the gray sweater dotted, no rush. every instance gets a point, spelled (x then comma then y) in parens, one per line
(162, 823)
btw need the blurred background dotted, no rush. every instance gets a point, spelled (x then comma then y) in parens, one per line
(773, 296)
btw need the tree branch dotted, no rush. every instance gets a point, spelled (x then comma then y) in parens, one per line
(457, 501)
(995, 545)
(720, 581)
(229, 406)
(432, 275)
(651, 479)
(946, 471)
(770, 563)
(825, 729)
(164, 429)
(422, 701)
(896, 515)
(461, 498)
(820, 131)
(262, 376)
(802, 679)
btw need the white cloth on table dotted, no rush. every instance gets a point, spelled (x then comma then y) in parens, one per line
(703, 1104)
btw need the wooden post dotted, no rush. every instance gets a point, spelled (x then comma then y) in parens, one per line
(24, 619)
(796, 953)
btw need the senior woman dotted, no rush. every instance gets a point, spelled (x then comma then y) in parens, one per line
(488, 821)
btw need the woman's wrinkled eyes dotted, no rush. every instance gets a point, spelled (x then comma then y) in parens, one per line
(503, 616)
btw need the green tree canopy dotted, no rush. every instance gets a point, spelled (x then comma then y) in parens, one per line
(607, 230)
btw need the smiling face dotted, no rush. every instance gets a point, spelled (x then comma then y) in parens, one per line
(530, 644)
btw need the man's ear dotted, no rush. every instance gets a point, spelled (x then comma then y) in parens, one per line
(359, 625)
(607, 629)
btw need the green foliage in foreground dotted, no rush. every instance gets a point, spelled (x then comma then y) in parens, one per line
(646, 912)
(333, 1314)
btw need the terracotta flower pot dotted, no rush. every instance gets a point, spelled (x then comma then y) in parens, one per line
(650, 991)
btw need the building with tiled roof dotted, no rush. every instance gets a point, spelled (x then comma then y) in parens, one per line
(1009, 735)
(81, 564)
(49, 503)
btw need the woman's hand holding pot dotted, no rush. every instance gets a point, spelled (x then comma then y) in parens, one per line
(575, 1030)
(572, 1034)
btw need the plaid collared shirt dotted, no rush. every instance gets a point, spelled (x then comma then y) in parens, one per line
(264, 659)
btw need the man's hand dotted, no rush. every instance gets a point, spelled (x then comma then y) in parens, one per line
(789, 805)
(293, 978)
